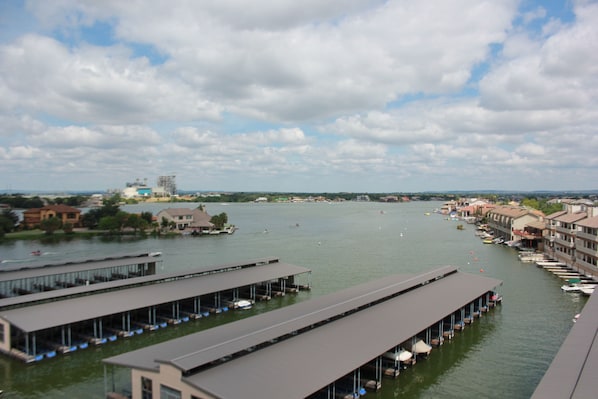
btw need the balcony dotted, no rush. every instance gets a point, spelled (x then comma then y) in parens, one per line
(565, 243)
(566, 230)
(589, 251)
(587, 237)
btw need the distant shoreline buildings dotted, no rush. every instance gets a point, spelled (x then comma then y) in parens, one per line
(165, 187)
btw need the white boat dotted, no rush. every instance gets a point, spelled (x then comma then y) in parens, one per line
(577, 287)
(549, 263)
(401, 356)
(419, 348)
(531, 257)
(240, 304)
(570, 288)
(587, 290)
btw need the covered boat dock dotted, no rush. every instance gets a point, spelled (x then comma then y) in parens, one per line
(73, 318)
(25, 279)
(324, 347)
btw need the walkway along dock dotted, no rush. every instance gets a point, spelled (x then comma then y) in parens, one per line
(61, 321)
(346, 335)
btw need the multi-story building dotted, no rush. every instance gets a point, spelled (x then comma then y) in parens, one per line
(586, 246)
(571, 236)
(506, 221)
(168, 183)
(550, 232)
(565, 233)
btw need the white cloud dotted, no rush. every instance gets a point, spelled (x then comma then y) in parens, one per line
(373, 93)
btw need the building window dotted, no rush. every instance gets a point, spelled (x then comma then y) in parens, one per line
(146, 388)
(1, 332)
(169, 393)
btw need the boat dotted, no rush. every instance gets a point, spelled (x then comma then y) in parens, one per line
(488, 241)
(571, 288)
(587, 290)
(36, 253)
(240, 304)
(400, 356)
(528, 257)
(419, 348)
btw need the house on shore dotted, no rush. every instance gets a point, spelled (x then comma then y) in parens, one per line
(67, 214)
(185, 219)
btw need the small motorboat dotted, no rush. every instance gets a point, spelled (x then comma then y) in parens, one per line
(36, 253)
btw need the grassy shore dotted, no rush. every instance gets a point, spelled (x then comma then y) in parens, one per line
(37, 234)
(58, 235)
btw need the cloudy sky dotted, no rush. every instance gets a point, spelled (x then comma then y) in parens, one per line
(311, 95)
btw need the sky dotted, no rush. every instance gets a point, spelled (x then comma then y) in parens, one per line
(299, 96)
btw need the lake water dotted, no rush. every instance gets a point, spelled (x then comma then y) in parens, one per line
(504, 355)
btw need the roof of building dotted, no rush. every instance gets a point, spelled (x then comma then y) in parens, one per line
(382, 325)
(53, 314)
(199, 218)
(572, 373)
(589, 222)
(60, 208)
(572, 217)
(536, 224)
(555, 215)
(511, 211)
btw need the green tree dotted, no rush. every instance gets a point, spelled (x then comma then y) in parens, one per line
(67, 228)
(135, 222)
(219, 220)
(50, 225)
(6, 225)
(12, 216)
(109, 223)
(110, 207)
(121, 218)
(164, 223)
(147, 216)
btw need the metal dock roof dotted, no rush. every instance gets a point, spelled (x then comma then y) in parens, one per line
(31, 271)
(336, 348)
(572, 373)
(53, 314)
(122, 284)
